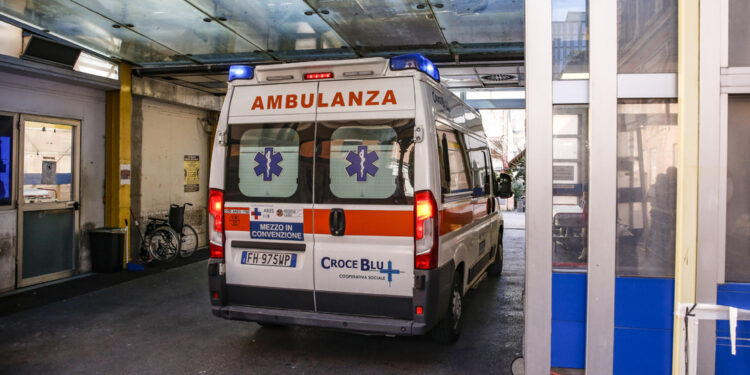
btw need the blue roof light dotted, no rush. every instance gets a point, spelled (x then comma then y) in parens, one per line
(240, 72)
(415, 61)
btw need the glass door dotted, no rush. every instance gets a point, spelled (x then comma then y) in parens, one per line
(48, 203)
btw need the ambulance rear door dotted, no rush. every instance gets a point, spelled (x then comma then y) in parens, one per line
(268, 196)
(364, 197)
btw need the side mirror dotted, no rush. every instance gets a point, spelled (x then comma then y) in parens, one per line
(504, 189)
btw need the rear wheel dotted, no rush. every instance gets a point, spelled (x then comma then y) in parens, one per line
(188, 241)
(449, 329)
(163, 244)
(496, 268)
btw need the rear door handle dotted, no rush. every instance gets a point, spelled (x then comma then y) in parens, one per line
(337, 221)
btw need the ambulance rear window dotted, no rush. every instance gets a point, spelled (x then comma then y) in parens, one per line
(268, 162)
(370, 162)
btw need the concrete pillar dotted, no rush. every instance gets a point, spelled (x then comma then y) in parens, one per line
(117, 182)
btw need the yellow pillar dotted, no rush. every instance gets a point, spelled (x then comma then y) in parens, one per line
(687, 169)
(117, 184)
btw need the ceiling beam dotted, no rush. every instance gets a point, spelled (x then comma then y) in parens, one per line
(214, 19)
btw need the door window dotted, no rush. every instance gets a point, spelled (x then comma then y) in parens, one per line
(646, 187)
(570, 185)
(737, 268)
(647, 36)
(739, 33)
(270, 162)
(47, 162)
(365, 162)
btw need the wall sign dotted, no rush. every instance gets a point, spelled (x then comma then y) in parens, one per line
(124, 174)
(49, 172)
(192, 170)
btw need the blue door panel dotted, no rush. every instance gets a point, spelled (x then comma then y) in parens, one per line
(643, 325)
(735, 295)
(643, 351)
(644, 303)
(568, 344)
(569, 320)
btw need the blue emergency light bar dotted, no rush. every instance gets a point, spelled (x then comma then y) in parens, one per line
(240, 72)
(415, 61)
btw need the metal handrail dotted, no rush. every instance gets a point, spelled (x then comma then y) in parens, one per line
(692, 314)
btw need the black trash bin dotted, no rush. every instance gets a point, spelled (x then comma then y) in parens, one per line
(107, 248)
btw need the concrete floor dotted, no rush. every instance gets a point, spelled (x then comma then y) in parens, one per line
(162, 324)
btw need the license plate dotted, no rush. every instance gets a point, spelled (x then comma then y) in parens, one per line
(269, 258)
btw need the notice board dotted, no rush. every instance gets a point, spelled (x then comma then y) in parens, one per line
(192, 173)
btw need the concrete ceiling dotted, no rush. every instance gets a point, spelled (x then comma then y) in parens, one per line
(477, 43)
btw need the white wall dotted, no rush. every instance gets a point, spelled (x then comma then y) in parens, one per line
(168, 132)
(7, 249)
(25, 95)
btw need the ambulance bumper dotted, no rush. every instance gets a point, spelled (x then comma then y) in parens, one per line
(360, 324)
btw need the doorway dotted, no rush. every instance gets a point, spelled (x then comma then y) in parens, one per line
(48, 187)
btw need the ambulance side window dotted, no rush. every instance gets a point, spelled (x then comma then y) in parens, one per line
(269, 162)
(453, 162)
(479, 165)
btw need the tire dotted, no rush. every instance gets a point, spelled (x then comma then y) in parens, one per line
(449, 329)
(496, 267)
(163, 244)
(188, 241)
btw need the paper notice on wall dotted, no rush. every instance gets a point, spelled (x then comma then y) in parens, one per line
(49, 172)
(124, 174)
(192, 173)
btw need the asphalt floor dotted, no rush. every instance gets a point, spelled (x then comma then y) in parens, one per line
(159, 322)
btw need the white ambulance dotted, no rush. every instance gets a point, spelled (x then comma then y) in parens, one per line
(354, 194)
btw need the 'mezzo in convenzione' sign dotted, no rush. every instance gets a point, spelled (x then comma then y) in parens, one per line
(276, 231)
(273, 223)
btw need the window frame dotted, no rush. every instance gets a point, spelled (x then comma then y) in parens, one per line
(233, 194)
(732, 81)
(632, 33)
(13, 163)
(484, 151)
(723, 189)
(447, 195)
(581, 177)
(263, 149)
(645, 205)
(399, 197)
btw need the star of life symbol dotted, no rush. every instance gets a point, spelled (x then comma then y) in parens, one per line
(268, 164)
(362, 163)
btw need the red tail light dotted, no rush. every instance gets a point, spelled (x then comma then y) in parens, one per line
(425, 231)
(325, 75)
(216, 216)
